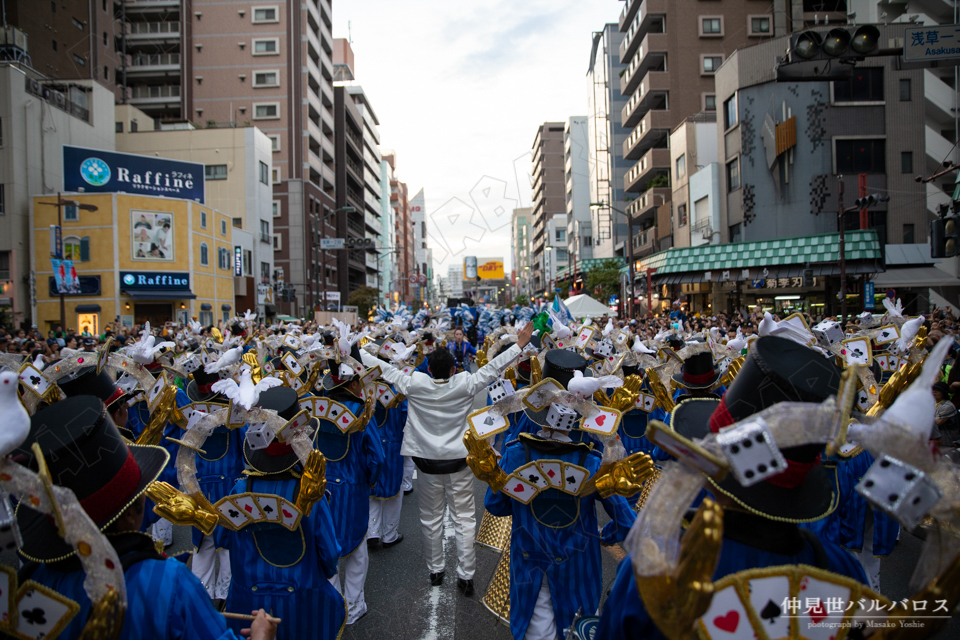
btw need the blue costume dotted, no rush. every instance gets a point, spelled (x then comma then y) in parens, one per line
(390, 423)
(286, 572)
(852, 509)
(624, 615)
(164, 600)
(556, 535)
(461, 352)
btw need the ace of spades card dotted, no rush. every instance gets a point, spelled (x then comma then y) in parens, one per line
(767, 595)
(857, 351)
(42, 612)
(646, 402)
(269, 506)
(127, 383)
(520, 489)
(486, 424)
(289, 514)
(290, 362)
(552, 470)
(817, 597)
(32, 379)
(604, 422)
(531, 473)
(156, 391)
(573, 477)
(726, 618)
(584, 337)
(385, 395)
(249, 505)
(888, 333)
(234, 514)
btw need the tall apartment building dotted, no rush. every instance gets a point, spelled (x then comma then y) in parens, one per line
(548, 193)
(271, 65)
(671, 51)
(423, 254)
(576, 171)
(153, 52)
(605, 136)
(388, 236)
(403, 229)
(521, 245)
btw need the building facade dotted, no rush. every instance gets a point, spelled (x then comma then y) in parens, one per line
(521, 243)
(423, 256)
(386, 276)
(548, 194)
(404, 232)
(576, 171)
(693, 151)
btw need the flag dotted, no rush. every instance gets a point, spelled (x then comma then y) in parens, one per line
(561, 311)
(59, 275)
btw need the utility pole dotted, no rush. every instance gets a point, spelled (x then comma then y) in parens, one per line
(843, 258)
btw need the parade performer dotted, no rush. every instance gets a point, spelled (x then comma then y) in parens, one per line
(462, 350)
(387, 497)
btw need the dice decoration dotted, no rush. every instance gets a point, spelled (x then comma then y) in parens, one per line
(752, 452)
(259, 436)
(604, 349)
(828, 333)
(899, 489)
(561, 417)
(499, 389)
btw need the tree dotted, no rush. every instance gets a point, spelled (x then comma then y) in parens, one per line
(521, 299)
(606, 276)
(364, 299)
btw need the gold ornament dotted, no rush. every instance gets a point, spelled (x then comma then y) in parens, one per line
(216, 335)
(153, 432)
(664, 399)
(511, 375)
(676, 601)
(313, 482)
(536, 373)
(900, 380)
(483, 461)
(624, 477)
(179, 508)
(256, 372)
(105, 621)
(732, 370)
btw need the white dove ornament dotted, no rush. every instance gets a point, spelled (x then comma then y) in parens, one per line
(586, 387)
(915, 407)
(908, 332)
(229, 357)
(246, 394)
(16, 420)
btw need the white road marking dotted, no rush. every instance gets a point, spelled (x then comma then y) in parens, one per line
(441, 598)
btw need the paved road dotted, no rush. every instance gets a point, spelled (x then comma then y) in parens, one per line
(403, 605)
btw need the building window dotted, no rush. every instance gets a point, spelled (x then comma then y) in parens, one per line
(682, 165)
(215, 172)
(733, 174)
(223, 258)
(277, 242)
(203, 219)
(682, 215)
(78, 24)
(80, 61)
(4, 265)
(247, 263)
(266, 111)
(711, 26)
(134, 127)
(276, 175)
(104, 38)
(710, 64)
(265, 14)
(730, 116)
(223, 227)
(106, 72)
(264, 173)
(865, 85)
(908, 237)
(265, 231)
(266, 47)
(206, 318)
(119, 127)
(265, 272)
(276, 208)
(905, 90)
(759, 25)
(860, 156)
(71, 213)
(274, 143)
(710, 102)
(53, 44)
(204, 257)
(561, 235)
(76, 249)
(735, 233)
(266, 79)
(238, 223)
(906, 162)
(53, 6)
(562, 255)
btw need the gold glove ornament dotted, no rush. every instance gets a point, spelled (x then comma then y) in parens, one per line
(179, 508)
(624, 399)
(664, 399)
(483, 461)
(313, 482)
(676, 601)
(624, 477)
(105, 621)
(153, 432)
(732, 370)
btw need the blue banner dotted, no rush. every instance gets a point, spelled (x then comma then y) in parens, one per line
(868, 299)
(96, 170)
(65, 276)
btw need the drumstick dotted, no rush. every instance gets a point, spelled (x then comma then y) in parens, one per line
(247, 616)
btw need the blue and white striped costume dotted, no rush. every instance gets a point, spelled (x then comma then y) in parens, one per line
(390, 432)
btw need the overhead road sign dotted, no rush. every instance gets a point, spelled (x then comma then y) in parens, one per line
(934, 42)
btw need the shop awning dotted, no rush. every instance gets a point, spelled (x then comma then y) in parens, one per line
(270, 309)
(88, 308)
(206, 307)
(789, 271)
(918, 277)
(225, 307)
(153, 294)
(288, 319)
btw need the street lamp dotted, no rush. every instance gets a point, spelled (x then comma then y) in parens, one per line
(60, 204)
(604, 205)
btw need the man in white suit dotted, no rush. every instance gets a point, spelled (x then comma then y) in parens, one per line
(437, 409)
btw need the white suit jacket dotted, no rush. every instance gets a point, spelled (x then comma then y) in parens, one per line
(437, 409)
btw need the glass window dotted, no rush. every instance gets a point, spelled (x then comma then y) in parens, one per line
(265, 227)
(265, 111)
(264, 46)
(276, 208)
(215, 172)
(71, 248)
(80, 61)
(865, 85)
(119, 127)
(203, 219)
(861, 156)
(682, 215)
(275, 175)
(710, 102)
(4, 265)
(204, 257)
(247, 263)
(562, 255)
(561, 235)
(134, 126)
(711, 25)
(906, 162)
(265, 14)
(238, 223)
(908, 234)
(730, 116)
(53, 45)
(264, 173)
(905, 89)
(760, 25)
(78, 24)
(733, 174)
(711, 63)
(71, 213)
(266, 79)
(223, 227)
(735, 233)
(265, 271)
(682, 165)
(274, 143)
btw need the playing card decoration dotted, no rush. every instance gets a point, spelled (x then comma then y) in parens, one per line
(573, 478)
(32, 379)
(539, 395)
(385, 395)
(604, 422)
(386, 351)
(9, 531)
(520, 490)
(155, 392)
(552, 470)
(237, 416)
(752, 452)
(857, 351)
(622, 336)
(103, 354)
(291, 341)
(686, 451)
(646, 402)
(899, 489)
(290, 362)
(241, 509)
(42, 612)
(8, 590)
(370, 376)
(341, 416)
(294, 425)
(584, 337)
(486, 424)
(531, 473)
(127, 383)
(888, 333)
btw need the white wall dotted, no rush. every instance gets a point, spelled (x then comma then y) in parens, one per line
(704, 188)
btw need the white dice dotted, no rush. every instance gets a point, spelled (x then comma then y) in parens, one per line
(752, 452)
(260, 435)
(603, 349)
(828, 333)
(899, 489)
(561, 417)
(499, 389)
(9, 532)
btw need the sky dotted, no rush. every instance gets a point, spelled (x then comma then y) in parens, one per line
(459, 89)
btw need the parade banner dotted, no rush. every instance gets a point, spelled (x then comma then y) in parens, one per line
(65, 276)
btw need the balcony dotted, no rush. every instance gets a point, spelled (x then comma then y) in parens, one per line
(139, 33)
(939, 98)
(654, 163)
(650, 56)
(151, 5)
(646, 205)
(653, 129)
(167, 95)
(629, 13)
(144, 65)
(649, 18)
(645, 243)
(936, 197)
(651, 88)
(937, 148)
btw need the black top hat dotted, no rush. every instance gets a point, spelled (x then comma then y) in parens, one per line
(675, 342)
(560, 364)
(697, 372)
(200, 389)
(85, 453)
(87, 382)
(776, 370)
(332, 379)
(236, 329)
(277, 457)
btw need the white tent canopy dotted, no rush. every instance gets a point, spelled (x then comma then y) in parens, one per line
(583, 306)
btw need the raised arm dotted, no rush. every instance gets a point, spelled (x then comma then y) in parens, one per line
(489, 371)
(388, 372)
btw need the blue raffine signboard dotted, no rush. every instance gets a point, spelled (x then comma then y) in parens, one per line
(95, 170)
(155, 280)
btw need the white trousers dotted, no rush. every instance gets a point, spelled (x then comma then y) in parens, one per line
(408, 467)
(453, 490)
(354, 576)
(869, 562)
(385, 518)
(542, 625)
(215, 579)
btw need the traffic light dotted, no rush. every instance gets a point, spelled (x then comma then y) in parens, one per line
(830, 55)
(359, 243)
(867, 202)
(944, 241)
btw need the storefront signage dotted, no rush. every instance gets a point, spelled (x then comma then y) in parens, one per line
(868, 300)
(89, 286)
(155, 280)
(96, 170)
(779, 283)
(238, 261)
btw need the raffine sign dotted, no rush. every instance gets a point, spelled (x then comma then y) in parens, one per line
(96, 170)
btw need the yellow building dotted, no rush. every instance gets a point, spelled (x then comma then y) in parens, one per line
(137, 258)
